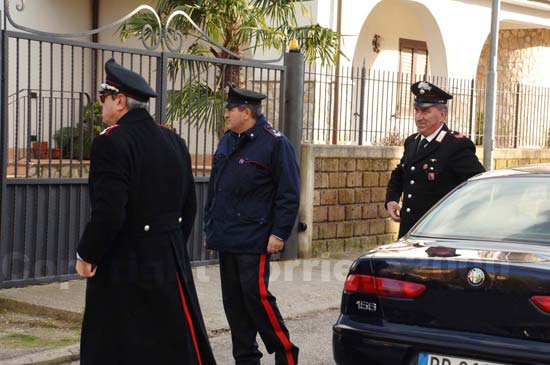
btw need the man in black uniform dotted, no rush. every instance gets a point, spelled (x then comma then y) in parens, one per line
(253, 199)
(141, 303)
(434, 162)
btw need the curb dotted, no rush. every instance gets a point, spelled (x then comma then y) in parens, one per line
(19, 306)
(48, 357)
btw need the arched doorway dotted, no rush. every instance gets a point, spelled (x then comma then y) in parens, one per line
(399, 43)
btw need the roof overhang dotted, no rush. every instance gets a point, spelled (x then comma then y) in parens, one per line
(532, 4)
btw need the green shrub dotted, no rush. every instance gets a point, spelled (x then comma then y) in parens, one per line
(69, 138)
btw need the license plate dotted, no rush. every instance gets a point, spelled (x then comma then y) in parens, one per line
(432, 359)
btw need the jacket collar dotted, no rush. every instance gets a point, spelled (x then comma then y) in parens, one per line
(413, 156)
(134, 116)
(254, 131)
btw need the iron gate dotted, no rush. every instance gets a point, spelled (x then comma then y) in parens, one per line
(50, 116)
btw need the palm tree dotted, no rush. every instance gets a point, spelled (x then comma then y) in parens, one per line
(239, 26)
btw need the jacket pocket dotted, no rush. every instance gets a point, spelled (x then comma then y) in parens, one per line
(247, 218)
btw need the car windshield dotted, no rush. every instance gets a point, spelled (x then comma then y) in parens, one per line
(495, 209)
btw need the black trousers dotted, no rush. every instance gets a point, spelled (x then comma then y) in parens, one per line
(251, 309)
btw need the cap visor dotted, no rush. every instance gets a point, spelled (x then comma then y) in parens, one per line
(231, 105)
(425, 105)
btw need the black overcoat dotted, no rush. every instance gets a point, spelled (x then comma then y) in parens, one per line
(141, 306)
(426, 175)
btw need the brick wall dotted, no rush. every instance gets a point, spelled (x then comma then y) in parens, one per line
(348, 204)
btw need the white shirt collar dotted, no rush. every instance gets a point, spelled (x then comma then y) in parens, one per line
(433, 135)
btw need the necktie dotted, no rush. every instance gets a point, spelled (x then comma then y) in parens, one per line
(421, 144)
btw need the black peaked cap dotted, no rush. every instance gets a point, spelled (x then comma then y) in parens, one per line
(427, 94)
(236, 97)
(128, 82)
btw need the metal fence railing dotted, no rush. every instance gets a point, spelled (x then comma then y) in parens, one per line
(54, 114)
(357, 106)
(53, 111)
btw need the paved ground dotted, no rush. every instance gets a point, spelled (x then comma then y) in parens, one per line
(311, 333)
(307, 291)
(301, 286)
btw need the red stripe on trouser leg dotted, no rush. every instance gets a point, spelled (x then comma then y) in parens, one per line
(188, 316)
(271, 314)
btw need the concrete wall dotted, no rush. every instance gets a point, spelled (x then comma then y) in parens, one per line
(110, 11)
(343, 193)
(59, 16)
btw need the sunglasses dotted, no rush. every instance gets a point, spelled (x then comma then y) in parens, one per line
(103, 96)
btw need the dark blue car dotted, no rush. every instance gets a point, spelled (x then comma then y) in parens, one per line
(468, 285)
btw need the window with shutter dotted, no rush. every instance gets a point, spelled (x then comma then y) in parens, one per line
(413, 66)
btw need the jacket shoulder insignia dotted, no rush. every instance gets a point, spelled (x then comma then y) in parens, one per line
(164, 126)
(108, 130)
(272, 131)
(440, 136)
(457, 135)
(412, 137)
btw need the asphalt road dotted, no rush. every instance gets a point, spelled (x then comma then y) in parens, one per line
(311, 333)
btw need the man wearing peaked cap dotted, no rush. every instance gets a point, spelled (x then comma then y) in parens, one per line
(128, 82)
(427, 94)
(141, 303)
(252, 204)
(434, 162)
(237, 97)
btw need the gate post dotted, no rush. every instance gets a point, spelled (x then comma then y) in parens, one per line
(294, 98)
(162, 91)
(293, 119)
(3, 145)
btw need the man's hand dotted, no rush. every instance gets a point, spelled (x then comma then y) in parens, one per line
(85, 269)
(394, 209)
(274, 244)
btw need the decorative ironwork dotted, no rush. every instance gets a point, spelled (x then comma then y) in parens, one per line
(171, 38)
(147, 28)
(178, 36)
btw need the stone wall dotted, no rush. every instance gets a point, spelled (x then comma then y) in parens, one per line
(343, 193)
(523, 77)
(348, 204)
(342, 200)
(523, 56)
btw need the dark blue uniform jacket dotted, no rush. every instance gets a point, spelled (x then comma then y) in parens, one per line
(254, 190)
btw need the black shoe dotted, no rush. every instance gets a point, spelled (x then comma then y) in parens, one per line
(287, 358)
